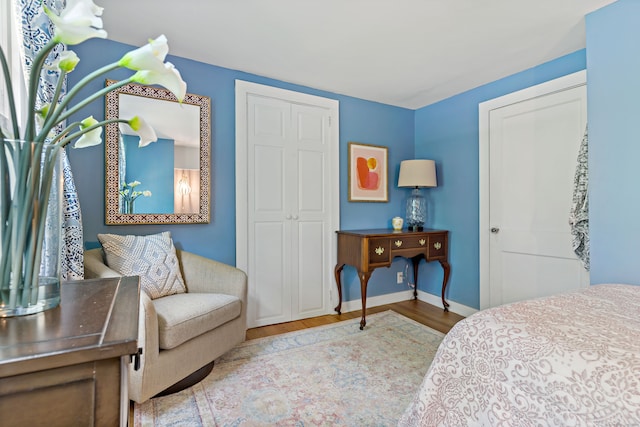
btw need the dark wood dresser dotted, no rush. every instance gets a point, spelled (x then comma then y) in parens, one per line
(68, 366)
(367, 250)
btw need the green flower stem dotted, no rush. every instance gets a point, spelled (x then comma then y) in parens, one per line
(5, 211)
(63, 142)
(23, 213)
(17, 231)
(56, 95)
(14, 114)
(90, 99)
(34, 78)
(64, 132)
(60, 114)
(24, 217)
(32, 269)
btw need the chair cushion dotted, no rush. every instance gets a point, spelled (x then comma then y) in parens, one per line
(152, 258)
(185, 316)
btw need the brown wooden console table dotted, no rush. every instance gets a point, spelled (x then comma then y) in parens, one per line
(367, 250)
(67, 366)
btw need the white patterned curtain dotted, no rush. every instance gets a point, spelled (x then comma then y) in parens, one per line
(36, 32)
(579, 215)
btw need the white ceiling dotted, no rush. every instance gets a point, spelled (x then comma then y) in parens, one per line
(408, 53)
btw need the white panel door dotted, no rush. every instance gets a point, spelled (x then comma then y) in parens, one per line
(310, 237)
(533, 147)
(290, 210)
(269, 128)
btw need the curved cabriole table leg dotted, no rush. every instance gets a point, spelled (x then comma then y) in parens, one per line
(447, 270)
(364, 279)
(416, 263)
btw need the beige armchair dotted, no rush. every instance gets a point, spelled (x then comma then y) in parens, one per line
(183, 334)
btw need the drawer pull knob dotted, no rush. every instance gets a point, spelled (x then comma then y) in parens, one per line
(437, 245)
(398, 243)
(379, 250)
(422, 242)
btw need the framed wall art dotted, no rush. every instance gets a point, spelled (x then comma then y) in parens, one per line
(368, 173)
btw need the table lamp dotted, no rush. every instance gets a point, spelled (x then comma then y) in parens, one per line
(417, 174)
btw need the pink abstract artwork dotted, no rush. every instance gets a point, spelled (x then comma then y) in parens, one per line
(367, 173)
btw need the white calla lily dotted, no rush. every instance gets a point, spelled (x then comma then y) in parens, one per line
(79, 21)
(91, 137)
(146, 133)
(169, 78)
(67, 61)
(148, 57)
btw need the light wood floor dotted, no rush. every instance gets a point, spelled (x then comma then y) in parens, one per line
(427, 314)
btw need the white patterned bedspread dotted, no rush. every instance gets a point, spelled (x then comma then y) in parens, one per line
(566, 360)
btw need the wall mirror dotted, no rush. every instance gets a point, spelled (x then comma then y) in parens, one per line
(168, 181)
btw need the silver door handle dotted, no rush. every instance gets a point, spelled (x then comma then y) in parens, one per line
(494, 229)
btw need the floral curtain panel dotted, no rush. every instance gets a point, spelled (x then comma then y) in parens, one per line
(36, 32)
(579, 215)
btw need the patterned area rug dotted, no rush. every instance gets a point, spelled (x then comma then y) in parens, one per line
(333, 375)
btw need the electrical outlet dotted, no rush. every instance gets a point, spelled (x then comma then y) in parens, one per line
(399, 277)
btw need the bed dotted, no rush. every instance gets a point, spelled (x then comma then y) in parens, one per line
(567, 360)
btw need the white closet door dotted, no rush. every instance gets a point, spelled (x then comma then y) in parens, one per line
(269, 209)
(310, 237)
(291, 192)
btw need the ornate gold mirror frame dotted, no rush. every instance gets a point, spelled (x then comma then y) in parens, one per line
(113, 181)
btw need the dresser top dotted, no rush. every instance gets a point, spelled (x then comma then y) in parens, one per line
(373, 232)
(96, 319)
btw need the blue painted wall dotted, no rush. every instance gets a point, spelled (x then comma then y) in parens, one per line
(613, 65)
(360, 120)
(448, 133)
(152, 166)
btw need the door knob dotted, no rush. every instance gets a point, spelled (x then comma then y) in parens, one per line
(494, 229)
(288, 217)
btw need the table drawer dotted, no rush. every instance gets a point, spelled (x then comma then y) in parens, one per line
(409, 242)
(379, 250)
(437, 245)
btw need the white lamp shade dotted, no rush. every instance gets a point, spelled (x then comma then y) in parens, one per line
(417, 173)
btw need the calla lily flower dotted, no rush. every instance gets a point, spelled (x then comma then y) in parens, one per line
(169, 78)
(79, 21)
(89, 138)
(148, 57)
(146, 193)
(67, 61)
(146, 133)
(42, 113)
(133, 184)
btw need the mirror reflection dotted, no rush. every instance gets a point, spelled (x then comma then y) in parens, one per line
(166, 181)
(169, 183)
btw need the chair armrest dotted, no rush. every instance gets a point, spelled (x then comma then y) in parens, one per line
(95, 267)
(208, 276)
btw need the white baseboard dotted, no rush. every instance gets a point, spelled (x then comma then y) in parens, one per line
(454, 307)
(354, 305)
